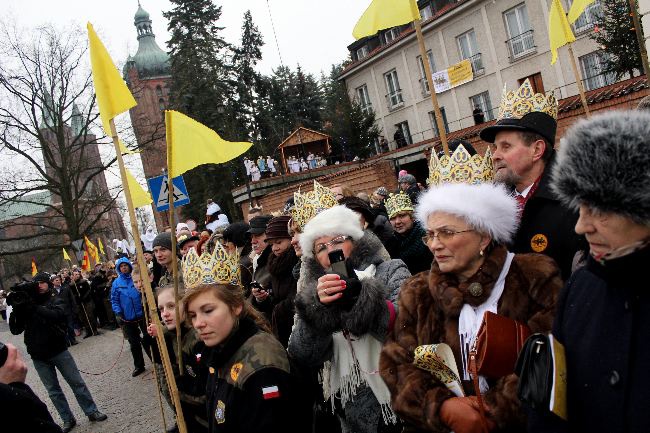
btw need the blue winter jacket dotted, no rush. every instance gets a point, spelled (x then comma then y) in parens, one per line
(125, 298)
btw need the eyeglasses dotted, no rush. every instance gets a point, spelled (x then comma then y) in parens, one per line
(442, 235)
(321, 248)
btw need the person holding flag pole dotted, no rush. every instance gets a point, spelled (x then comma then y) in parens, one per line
(113, 98)
(382, 14)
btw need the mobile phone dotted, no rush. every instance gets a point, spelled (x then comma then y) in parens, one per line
(337, 263)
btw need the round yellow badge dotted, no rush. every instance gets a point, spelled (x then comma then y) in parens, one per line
(539, 243)
(234, 371)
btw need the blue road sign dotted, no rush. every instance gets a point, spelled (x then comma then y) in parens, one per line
(159, 189)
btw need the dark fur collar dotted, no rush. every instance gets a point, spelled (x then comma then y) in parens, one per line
(282, 265)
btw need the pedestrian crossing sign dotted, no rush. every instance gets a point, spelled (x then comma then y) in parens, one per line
(159, 188)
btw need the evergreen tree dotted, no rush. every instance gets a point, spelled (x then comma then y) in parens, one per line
(203, 87)
(617, 37)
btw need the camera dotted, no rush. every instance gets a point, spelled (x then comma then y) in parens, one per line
(22, 293)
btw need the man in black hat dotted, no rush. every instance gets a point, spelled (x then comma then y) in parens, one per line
(185, 243)
(261, 251)
(523, 156)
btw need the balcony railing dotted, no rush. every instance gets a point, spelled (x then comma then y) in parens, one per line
(395, 100)
(477, 64)
(521, 45)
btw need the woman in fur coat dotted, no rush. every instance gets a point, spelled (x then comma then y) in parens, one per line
(466, 226)
(343, 318)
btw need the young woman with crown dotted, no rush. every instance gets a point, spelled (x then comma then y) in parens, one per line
(248, 385)
(468, 221)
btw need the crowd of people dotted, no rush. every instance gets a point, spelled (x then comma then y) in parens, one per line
(364, 311)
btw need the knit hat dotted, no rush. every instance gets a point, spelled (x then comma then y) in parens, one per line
(237, 233)
(407, 178)
(258, 224)
(486, 207)
(278, 228)
(604, 162)
(42, 277)
(336, 221)
(382, 191)
(163, 240)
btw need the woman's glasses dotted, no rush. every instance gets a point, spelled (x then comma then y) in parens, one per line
(339, 240)
(443, 235)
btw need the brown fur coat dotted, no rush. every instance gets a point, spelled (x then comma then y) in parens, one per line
(429, 308)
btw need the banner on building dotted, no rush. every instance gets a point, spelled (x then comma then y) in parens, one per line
(453, 76)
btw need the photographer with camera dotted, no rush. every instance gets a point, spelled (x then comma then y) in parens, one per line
(28, 413)
(39, 313)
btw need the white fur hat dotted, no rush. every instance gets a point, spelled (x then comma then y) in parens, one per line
(487, 208)
(335, 221)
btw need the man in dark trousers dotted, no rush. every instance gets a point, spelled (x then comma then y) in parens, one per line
(83, 292)
(42, 319)
(523, 156)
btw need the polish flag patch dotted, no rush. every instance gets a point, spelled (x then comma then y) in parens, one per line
(269, 392)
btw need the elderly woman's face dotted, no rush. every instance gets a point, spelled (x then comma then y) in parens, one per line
(606, 232)
(455, 245)
(325, 244)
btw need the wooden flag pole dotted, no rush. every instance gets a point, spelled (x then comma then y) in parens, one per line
(434, 99)
(162, 345)
(170, 192)
(581, 88)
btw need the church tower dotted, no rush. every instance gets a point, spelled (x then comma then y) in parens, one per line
(148, 76)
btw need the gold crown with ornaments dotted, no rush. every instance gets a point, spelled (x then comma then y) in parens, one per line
(308, 205)
(516, 104)
(396, 203)
(218, 267)
(460, 167)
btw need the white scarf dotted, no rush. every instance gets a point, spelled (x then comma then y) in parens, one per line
(471, 317)
(355, 362)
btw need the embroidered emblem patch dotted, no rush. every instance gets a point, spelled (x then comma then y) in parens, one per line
(235, 370)
(190, 371)
(539, 243)
(220, 412)
(269, 392)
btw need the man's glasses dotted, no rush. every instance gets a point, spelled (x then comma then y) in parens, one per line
(339, 240)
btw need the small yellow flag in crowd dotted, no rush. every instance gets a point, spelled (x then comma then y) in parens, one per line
(139, 195)
(65, 255)
(92, 250)
(383, 14)
(559, 30)
(100, 245)
(190, 144)
(34, 268)
(113, 97)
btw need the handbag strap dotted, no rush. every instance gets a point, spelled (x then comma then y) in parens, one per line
(477, 391)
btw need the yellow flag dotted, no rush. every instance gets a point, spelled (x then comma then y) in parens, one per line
(34, 268)
(559, 31)
(100, 245)
(125, 150)
(139, 196)
(65, 255)
(383, 14)
(92, 250)
(113, 97)
(193, 144)
(577, 8)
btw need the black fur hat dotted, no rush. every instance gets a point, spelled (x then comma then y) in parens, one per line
(604, 162)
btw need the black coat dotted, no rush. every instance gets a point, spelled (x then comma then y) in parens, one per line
(43, 322)
(409, 248)
(26, 412)
(70, 307)
(603, 320)
(548, 227)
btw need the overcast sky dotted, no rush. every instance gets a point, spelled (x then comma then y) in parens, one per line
(312, 33)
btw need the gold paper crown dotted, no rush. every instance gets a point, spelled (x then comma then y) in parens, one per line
(460, 167)
(396, 203)
(516, 104)
(220, 267)
(308, 205)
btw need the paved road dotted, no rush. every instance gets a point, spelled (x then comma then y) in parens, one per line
(130, 403)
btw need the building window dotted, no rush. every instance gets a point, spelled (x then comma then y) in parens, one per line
(481, 107)
(588, 18)
(434, 124)
(402, 135)
(593, 75)
(362, 52)
(364, 99)
(520, 35)
(391, 34)
(468, 49)
(159, 92)
(424, 84)
(394, 96)
(535, 81)
(426, 13)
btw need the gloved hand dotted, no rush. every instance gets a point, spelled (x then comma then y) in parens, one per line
(461, 414)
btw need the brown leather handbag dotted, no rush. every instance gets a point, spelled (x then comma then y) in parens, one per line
(498, 343)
